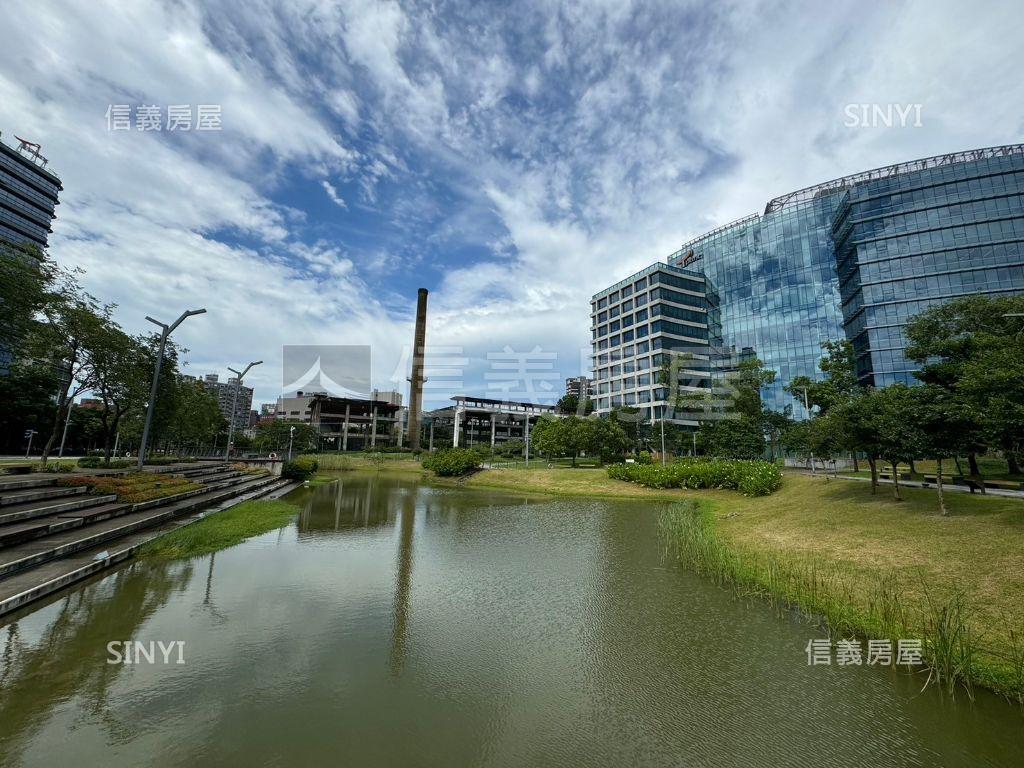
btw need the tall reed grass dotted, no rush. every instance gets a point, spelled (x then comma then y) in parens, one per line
(953, 655)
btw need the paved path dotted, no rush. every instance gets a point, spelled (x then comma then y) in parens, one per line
(946, 487)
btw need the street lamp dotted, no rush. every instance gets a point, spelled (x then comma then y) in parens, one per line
(291, 436)
(165, 331)
(808, 409)
(234, 403)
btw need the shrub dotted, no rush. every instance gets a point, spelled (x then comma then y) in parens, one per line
(54, 466)
(163, 460)
(452, 462)
(751, 478)
(132, 488)
(300, 468)
(94, 462)
(644, 457)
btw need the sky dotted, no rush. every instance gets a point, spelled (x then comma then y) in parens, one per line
(513, 159)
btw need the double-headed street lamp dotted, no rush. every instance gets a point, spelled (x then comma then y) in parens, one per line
(165, 331)
(234, 404)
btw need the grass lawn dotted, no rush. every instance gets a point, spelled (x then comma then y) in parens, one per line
(221, 530)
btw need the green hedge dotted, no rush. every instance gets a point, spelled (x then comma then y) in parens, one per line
(452, 461)
(751, 478)
(300, 468)
(94, 462)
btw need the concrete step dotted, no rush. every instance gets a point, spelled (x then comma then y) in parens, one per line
(16, 482)
(49, 547)
(26, 495)
(36, 528)
(18, 512)
(221, 476)
(20, 589)
(199, 471)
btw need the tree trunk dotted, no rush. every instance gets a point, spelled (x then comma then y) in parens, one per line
(856, 464)
(913, 469)
(938, 482)
(895, 483)
(1012, 462)
(959, 469)
(972, 458)
(874, 474)
(58, 424)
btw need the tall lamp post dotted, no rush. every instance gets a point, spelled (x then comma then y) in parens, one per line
(165, 331)
(808, 409)
(234, 404)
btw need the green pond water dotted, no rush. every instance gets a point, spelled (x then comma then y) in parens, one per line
(398, 624)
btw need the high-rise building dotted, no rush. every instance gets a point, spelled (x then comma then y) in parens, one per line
(28, 199)
(28, 195)
(859, 256)
(224, 391)
(638, 323)
(578, 386)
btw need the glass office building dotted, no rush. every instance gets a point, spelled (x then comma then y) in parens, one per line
(915, 239)
(28, 196)
(637, 323)
(858, 256)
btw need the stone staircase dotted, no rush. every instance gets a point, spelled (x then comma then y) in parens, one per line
(52, 536)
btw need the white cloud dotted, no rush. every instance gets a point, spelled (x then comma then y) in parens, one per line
(333, 194)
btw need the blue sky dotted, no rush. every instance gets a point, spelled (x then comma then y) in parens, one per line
(511, 159)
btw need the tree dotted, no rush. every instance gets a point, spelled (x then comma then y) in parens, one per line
(74, 328)
(968, 348)
(274, 436)
(569, 436)
(733, 420)
(121, 370)
(571, 404)
(895, 422)
(840, 382)
(947, 425)
(197, 417)
(27, 396)
(737, 438)
(608, 439)
(29, 281)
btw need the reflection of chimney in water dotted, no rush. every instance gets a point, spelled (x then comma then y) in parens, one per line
(416, 380)
(403, 585)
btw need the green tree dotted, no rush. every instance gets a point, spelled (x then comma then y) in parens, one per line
(27, 396)
(947, 425)
(895, 419)
(571, 404)
(971, 350)
(122, 371)
(197, 417)
(74, 327)
(839, 384)
(274, 436)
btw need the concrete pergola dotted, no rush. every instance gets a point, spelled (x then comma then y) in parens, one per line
(370, 421)
(482, 420)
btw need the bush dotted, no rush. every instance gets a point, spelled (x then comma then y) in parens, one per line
(751, 478)
(300, 468)
(452, 462)
(94, 462)
(160, 461)
(54, 466)
(644, 457)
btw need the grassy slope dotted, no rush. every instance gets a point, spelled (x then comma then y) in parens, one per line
(221, 530)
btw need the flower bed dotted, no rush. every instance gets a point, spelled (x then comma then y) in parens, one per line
(132, 488)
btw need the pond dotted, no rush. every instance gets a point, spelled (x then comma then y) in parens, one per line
(395, 623)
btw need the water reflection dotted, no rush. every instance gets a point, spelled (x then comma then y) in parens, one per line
(397, 623)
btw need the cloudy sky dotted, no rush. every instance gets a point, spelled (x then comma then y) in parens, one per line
(511, 158)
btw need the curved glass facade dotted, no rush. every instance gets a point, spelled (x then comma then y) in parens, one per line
(857, 257)
(910, 241)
